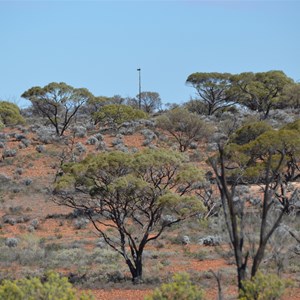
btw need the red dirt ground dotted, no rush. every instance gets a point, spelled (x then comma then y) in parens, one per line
(42, 169)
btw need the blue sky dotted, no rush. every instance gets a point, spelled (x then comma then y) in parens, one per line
(100, 44)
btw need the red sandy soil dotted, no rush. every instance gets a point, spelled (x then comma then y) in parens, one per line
(117, 294)
(42, 169)
(231, 291)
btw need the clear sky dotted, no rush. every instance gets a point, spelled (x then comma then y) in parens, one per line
(100, 44)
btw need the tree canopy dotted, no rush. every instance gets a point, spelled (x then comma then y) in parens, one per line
(150, 101)
(290, 96)
(58, 103)
(270, 160)
(249, 132)
(292, 126)
(184, 126)
(214, 89)
(260, 91)
(137, 196)
(95, 104)
(279, 148)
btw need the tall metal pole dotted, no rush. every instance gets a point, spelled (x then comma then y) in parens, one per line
(140, 89)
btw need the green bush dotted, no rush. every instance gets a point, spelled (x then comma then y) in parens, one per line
(10, 114)
(116, 114)
(292, 126)
(249, 132)
(263, 287)
(181, 288)
(54, 288)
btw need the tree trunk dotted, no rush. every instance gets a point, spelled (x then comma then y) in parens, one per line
(136, 269)
(257, 260)
(210, 109)
(57, 130)
(241, 276)
(182, 148)
(138, 275)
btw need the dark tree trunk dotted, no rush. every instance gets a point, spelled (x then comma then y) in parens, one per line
(182, 148)
(210, 109)
(136, 269)
(241, 276)
(138, 275)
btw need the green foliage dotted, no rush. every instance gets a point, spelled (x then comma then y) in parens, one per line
(263, 287)
(97, 102)
(116, 114)
(10, 114)
(124, 172)
(138, 195)
(286, 142)
(65, 182)
(196, 106)
(184, 126)
(54, 288)
(260, 91)
(251, 158)
(290, 96)
(249, 132)
(58, 102)
(214, 90)
(181, 288)
(150, 158)
(257, 91)
(94, 104)
(293, 126)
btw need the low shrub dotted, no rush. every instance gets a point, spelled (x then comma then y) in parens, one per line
(20, 137)
(92, 140)
(9, 153)
(210, 240)
(19, 171)
(11, 242)
(99, 136)
(46, 135)
(27, 181)
(117, 141)
(35, 223)
(264, 287)
(25, 142)
(101, 146)
(52, 287)
(180, 288)
(81, 223)
(80, 148)
(40, 148)
(79, 131)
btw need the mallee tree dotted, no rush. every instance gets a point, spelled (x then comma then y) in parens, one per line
(270, 160)
(136, 196)
(58, 103)
(214, 90)
(262, 91)
(184, 126)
